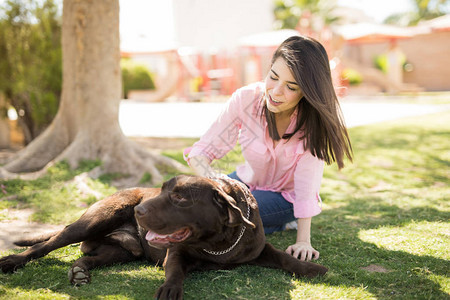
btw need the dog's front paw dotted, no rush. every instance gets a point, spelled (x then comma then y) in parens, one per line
(11, 263)
(310, 270)
(169, 291)
(78, 275)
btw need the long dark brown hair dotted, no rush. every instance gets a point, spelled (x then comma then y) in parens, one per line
(319, 118)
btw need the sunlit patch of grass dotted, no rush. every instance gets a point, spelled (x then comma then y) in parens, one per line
(417, 238)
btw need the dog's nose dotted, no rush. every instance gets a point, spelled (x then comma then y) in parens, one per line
(140, 210)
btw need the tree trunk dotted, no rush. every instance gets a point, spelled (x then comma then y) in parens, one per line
(86, 125)
(5, 130)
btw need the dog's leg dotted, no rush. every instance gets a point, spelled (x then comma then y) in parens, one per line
(100, 219)
(274, 258)
(102, 256)
(175, 268)
(34, 240)
(69, 235)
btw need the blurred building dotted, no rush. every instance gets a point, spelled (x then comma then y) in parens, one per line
(218, 24)
(427, 54)
(213, 47)
(425, 48)
(199, 56)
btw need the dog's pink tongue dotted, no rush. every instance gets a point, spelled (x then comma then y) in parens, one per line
(150, 236)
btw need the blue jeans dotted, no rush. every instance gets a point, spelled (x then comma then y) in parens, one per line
(275, 211)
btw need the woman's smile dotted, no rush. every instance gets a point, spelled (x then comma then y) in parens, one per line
(274, 102)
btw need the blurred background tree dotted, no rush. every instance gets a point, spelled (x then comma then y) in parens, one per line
(424, 10)
(30, 62)
(86, 126)
(289, 12)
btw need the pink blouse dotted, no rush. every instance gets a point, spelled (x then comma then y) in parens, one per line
(288, 168)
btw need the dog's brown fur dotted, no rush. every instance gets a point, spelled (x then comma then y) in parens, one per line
(191, 219)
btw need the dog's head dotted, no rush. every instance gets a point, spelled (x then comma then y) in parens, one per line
(192, 209)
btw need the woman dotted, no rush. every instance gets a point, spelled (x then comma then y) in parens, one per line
(288, 127)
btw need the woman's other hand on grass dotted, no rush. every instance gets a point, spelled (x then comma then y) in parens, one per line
(303, 251)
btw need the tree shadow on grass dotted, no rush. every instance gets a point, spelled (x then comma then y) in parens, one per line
(336, 234)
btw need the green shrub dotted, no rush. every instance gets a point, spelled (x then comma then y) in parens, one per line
(352, 76)
(135, 77)
(381, 63)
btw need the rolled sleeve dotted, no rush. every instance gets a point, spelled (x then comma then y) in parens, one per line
(307, 179)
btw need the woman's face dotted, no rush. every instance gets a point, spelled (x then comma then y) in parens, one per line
(282, 92)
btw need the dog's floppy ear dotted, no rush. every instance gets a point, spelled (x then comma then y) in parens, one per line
(235, 216)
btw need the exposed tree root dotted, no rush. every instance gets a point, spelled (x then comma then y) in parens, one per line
(118, 155)
(41, 151)
(83, 187)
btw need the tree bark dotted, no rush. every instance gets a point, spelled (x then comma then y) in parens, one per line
(86, 126)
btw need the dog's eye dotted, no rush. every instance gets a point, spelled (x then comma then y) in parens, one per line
(179, 201)
(176, 197)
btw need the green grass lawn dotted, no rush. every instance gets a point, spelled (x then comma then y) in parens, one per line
(383, 233)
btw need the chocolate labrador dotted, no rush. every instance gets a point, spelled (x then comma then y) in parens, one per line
(191, 223)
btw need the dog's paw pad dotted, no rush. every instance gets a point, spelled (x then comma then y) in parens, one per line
(79, 276)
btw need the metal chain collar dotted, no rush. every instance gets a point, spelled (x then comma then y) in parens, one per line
(235, 243)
